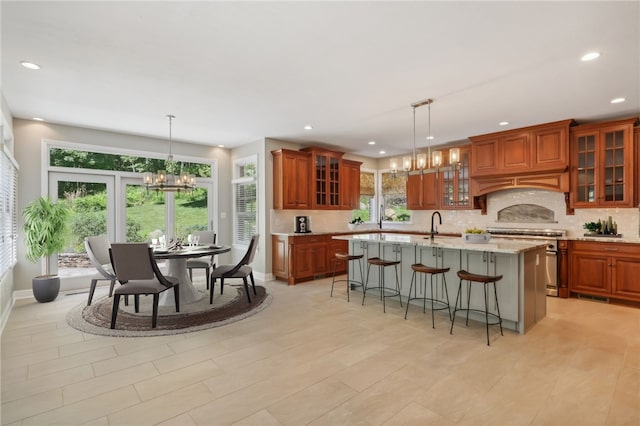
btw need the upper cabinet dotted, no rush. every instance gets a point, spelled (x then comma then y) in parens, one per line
(291, 176)
(602, 169)
(350, 177)
(314, 178)
(422, 191)
(325, 178)
(455, 190)
(535, 149)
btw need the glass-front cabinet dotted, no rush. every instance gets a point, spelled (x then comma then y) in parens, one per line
(455, 182)
(325, 177)
(602, 169)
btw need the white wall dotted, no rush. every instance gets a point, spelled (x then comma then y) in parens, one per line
(28, 145)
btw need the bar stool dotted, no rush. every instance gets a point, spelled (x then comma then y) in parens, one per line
(381, 264)
(428, 270)
(346, 257)
(485, 280)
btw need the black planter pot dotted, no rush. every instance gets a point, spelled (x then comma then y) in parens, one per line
(46, 288)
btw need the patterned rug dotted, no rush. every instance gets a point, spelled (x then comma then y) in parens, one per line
(230, 307)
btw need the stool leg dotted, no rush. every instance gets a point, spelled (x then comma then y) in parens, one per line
(455, 307)
(468, 301)
(495, 294)
(364, 290)
(413, 277)
(424, 293)
(348, 282)
(398, 285)
(335, 265)
(384, 306)
(446, 292)
(486, 311)
(433, 321)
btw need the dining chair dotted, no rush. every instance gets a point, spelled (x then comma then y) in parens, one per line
(239, 270)
(138, 272)
(97, 248)
(206, 263)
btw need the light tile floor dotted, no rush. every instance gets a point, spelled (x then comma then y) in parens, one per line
(311, 359)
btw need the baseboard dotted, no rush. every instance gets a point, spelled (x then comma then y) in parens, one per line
(5, 315)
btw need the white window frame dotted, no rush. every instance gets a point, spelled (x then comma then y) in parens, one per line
(238, 180)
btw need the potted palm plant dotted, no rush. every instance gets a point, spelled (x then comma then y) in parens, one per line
(45, 222)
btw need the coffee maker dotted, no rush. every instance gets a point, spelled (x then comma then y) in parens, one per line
(302, 225)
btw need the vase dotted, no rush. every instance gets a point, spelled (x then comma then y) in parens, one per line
(45, 288)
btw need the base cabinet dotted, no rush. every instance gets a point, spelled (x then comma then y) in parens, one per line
(305, 257)
(605, 269)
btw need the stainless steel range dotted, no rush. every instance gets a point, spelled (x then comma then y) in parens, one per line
(549, 237)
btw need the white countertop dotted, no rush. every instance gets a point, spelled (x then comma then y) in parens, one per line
(496, 245)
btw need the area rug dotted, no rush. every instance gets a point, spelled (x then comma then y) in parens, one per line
(230, 307)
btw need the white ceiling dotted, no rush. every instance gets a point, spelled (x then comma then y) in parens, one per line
(235, 72)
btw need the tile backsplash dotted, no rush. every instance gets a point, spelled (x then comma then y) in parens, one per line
(628, 219)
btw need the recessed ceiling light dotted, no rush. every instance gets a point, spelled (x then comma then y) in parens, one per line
(430, 138)
(30, 65)
(308, 127)
(590, 56)
(220, 146)
(504, 123)
(382, 152)
(372, 142)
(617, 100)
(38, 119)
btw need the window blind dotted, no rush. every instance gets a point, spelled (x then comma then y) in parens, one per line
(8, 212)
(245, 197)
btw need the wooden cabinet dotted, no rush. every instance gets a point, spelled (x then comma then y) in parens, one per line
(423, 191)
(298, 258)
(605, 269)
(455, 185)
(535, 149)
(314, 178)
(291, 176)
(602, 165)
(350, 177)
(325, 178)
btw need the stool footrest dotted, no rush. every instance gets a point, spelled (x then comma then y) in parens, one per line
(442, 302)
(480, 311)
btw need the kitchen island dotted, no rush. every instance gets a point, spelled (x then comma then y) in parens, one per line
(521, 292)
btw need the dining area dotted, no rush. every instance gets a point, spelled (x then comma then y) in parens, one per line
(162, 272)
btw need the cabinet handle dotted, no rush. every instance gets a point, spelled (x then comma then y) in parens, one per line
(610, 249)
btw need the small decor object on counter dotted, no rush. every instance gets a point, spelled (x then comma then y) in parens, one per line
(592, 227)
(476, 236)
(354, 223)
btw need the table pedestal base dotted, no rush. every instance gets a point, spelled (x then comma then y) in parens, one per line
(188, 292)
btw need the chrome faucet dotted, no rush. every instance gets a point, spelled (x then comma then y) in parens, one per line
(434, 231)
(381, 215)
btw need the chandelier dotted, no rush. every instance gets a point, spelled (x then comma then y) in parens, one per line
(169, 180)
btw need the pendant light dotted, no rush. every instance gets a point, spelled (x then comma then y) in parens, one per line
(166, 180)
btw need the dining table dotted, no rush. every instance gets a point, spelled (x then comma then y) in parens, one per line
(177, 268)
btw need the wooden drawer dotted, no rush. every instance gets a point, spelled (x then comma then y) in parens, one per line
(606, 248)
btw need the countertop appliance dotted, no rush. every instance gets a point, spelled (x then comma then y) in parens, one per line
(548, 237)
(302, 224)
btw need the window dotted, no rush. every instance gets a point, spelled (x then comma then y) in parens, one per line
(367, 210)
(394, 197)
(8, 214)
(245, 199)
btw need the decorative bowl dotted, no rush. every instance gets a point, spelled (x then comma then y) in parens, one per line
(476, 238)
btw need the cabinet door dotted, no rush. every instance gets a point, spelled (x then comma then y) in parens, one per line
(430, 192)
(414, 192)
(454, 183)
(590, 273)
(625, 273)
(551, 148)
(602, 165)
(350, 185)
(279, 248)
(296, 181)
(484, 157)
(516, 153)
(616, 154)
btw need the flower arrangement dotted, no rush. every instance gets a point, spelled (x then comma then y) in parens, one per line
(355, 222)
